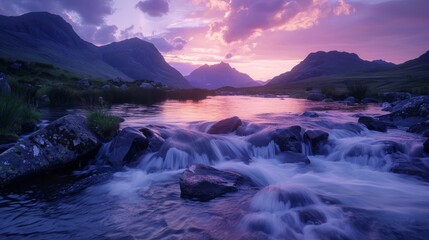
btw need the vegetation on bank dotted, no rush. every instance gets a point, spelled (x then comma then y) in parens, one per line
(16, 117)
(105, 125)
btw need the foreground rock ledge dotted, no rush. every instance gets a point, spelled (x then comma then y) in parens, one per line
(204, 183)
(63, 142)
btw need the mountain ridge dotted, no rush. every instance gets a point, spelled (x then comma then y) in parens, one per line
(219, 75)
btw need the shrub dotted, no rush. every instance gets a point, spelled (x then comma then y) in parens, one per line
(16, 117)
(356, 89)
(103, 124)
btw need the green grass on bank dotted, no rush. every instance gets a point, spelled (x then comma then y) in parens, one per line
(103, 124)
(16, 117)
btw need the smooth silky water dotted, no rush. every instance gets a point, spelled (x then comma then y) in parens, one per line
(346, 194)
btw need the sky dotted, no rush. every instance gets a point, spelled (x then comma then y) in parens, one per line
(262, 38)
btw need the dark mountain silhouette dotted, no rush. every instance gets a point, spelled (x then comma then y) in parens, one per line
(47, 38)
(219, 75)
(328, 63)
(420, 63)
(139, 59)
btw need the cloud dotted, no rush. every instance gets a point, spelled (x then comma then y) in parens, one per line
(167, 45)
(89, 12)
(154, 8)
(245, 19)
(105, 34)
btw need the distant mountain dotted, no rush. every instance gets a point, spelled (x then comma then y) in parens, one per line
(328, 63)
(47, 38)
(219, 75)
(421, 63)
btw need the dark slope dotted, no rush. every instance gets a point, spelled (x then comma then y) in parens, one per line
(47, 38)
(141, 60)
(325, 64)
(219, 75)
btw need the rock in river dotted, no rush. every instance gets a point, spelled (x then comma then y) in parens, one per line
(316, 138)
(373, 124)
(202, 182)
(225, 126)
(62, 143)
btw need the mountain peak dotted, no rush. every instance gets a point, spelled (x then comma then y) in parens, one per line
(219, 75)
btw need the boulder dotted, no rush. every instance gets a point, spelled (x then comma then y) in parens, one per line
(413, 107)
(413, 167)
(225, 126)
(419, 128)
(287, 139)
(373, 124)
(155, 140)
(4, 85)
(316, 96)
(310, 114)
(426, 146)
(125, 148)
(61, 144)
(202, 182)
(316, 138)
(395, 96)
(350, 100)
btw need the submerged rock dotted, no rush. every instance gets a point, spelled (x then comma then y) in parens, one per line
(287, 139)
(124, 148)
(202, 182)
(292, 157)
(420, 128)
(311, 216)
(316, 138)
(225, 126)
(414, 167)
(62, 143)
(409, 112)
(373, 124)
(426, 146)
(155, 140)
(310, 114)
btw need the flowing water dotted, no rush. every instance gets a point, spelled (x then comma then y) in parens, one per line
(347, 193)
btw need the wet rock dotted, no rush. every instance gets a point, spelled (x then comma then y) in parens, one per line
(154, 138)
(413, 167)
(61, 144)
(409, 112)
(311, 217)
(426, 146)
(288, 139)
(350, 100)
(225, 126)
(124, 148)
(202, 182)
(316, 96)
(419, 128)
(395, 96)
(310, 114)
(289, 198)
(146, 85)
(4, 85)
(247, 129)
(316, 138)
(373, 124)
(292, 157)
(369, 100)
(386, 106)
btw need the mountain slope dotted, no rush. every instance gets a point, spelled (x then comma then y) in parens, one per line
(141, 60)
(219, 75)
(328, 63)
(47, 38)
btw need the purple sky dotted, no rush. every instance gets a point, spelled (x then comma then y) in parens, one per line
(260, 37)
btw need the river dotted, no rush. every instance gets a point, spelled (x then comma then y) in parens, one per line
(347, 193)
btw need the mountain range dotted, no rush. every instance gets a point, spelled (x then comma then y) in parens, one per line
(47, 38)
(219, 75)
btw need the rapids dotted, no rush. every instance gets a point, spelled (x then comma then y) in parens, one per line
(346, 193)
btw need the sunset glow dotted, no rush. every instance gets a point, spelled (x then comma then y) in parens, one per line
(262, 38)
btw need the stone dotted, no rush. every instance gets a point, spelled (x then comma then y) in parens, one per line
(287, 139)
(395, 96)
(106, 87)
(61, 144)
(369, 100)
(146, 85)
(155, 139)
(4, 84)
(311, 216)
(373, 124)
(125, 148)
(350, 100)
(204, 183)
(225, 126)
(419, 128)
(84, 82)
(413, 167)
(316, 138)
(316, 96)
(310, 114)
